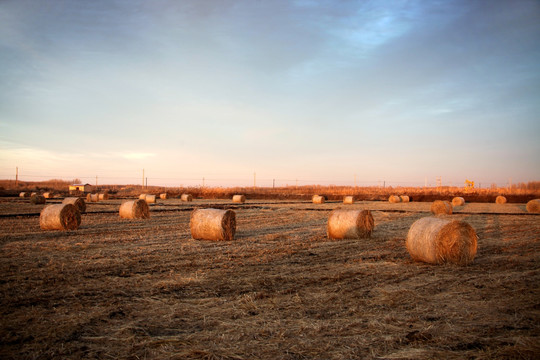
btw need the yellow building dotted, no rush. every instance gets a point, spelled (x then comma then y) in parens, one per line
(85, 188)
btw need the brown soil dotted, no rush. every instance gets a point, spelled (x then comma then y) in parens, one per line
(143, 289)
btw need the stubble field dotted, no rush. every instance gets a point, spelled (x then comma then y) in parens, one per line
(136, 289)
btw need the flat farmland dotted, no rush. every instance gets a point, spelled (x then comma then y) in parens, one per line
(144, 289)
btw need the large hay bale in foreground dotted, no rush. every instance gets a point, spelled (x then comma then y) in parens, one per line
(404, 198)
(188, 197)
(60, 217)
(163, 196)
(239, 198)
(134, 209)
(394, 199)
(350, 224)
(500, 200)
(213, 224)
(439, 207)
(318, 199)
(436, 240)
(104, 196)
(150, 199)
(458, 201)
(533, 206)
(79, 203)
(348, 200)
(37, 199)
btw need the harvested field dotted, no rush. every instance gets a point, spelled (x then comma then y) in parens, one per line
(144, 289)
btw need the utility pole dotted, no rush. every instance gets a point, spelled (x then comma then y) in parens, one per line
(143, 177)
(96, 180)
(17, 176)
(384, 184)
(147, 183)
(203, 181)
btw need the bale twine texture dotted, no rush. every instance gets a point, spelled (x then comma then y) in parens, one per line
(37, 199)
(348, 200)
(533, 206)
(188, 197)
(104, 196)
(318, 199)
(79, 203)
(439, 207)
(404, 198)
(500, 200)
(350, 224)
(436, 241)
(92, 197)
(150, 199)
(394, 199)
(163, 196)
(60, 217)
(213, 224)
(134, 209)
(458, 201)
(239, 198)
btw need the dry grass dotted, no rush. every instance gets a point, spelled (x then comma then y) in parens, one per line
(144, 289)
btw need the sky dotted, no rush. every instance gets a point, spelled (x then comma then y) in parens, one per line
(300, 91)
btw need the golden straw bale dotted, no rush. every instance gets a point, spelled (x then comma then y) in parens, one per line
(348, 200)
(92, 197)
(317, 199)
(134, 209)
(150, 199)
(48, 195)
(441, 207)
(32, 194)
(79, 203)
(394, 199)
(533, 206)
(142, 196)
(436, 240)
(458, 201)
(239, 198)
(24, 194)
(404, 198)
(213, 224)
(188, 197)
(163, 196)
(37, 199)
(60, 217)
(500, 200)
(104, 196)
(350, 224)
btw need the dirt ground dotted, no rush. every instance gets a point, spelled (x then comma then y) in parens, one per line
(143, 289)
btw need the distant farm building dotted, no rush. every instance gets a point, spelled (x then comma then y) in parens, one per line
(85, 188)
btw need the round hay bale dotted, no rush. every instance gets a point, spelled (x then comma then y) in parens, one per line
(318, 199)
(500, 200)
(32, 194)
(48, 195)
(104, 196)
(37, 199)
(79, 203)
(436, 241)
(92, 197)
(441, 207)
(458, 201)
(404, 198)
(533, 206)
(188, 197)
(163, 196)
(213, 224)
(60, 217)
(24, 194)
(394, 199)
(348, 200)
(142, 196)
(134, 209)
(239, 198)
(350, 224)
(150, 199)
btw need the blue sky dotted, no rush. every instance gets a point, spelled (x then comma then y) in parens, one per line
(320, 91)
